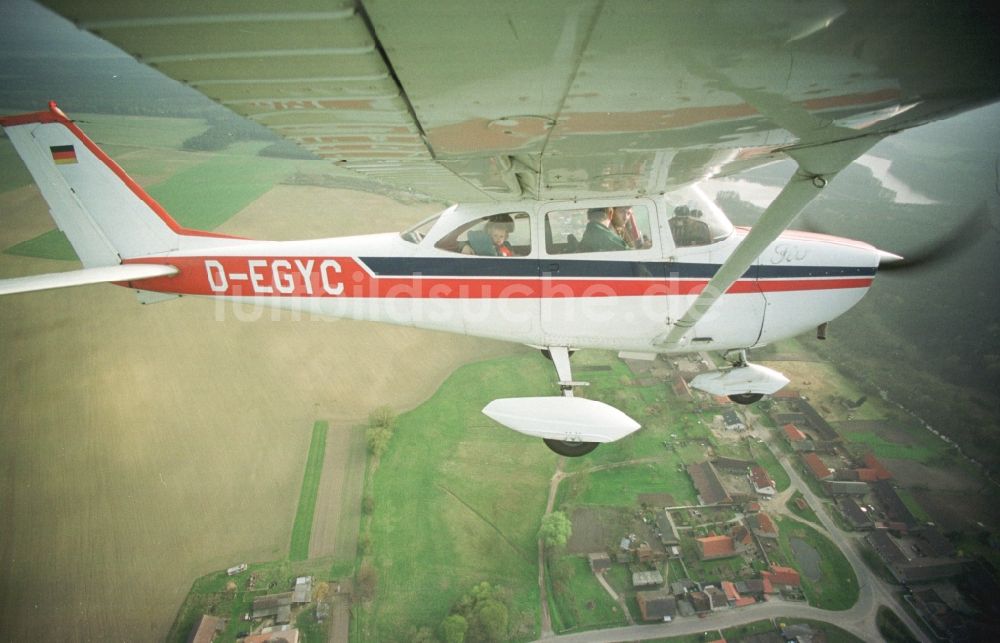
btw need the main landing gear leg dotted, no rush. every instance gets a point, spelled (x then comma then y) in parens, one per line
(560, 357)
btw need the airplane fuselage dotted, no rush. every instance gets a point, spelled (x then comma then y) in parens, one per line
(621, 300)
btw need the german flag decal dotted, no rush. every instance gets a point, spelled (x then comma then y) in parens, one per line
(63, 154)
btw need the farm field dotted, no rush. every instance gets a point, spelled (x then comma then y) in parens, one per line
(458, 501)
(144, 446)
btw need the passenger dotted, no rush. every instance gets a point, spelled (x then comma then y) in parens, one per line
(490, 241)
(598, 236)
(688, 228)
(624, 224)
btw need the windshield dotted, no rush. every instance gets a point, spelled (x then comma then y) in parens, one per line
(696, 221)
(416, 233)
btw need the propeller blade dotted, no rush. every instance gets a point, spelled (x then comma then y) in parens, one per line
(966, 232)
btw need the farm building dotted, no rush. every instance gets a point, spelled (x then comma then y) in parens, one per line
(893, 505)
(701, 603)
(682, 586)
(275, 635)
(277, 606)
(733, 421)
(793, 434)
(751, 586)
(845, 488)
(762, 525)
(712, 547)
(873, 463)
(733, 595)
(717, 597)
(302, 593)
(206, 628)
(855, 515)
(816, 466)
(667, 530)
(656, 606)
(761, 481)
(782, 576)
(707, 484)
(647, 579)
(742, 539)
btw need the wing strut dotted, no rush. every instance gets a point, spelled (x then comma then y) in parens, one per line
(818, 164)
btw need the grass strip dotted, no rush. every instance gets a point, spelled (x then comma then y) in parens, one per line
(302, 529)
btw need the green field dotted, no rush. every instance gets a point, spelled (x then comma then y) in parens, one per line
(837, 586)
(807, 513)
(205, 196)
(302, 529)
(927, 451)
(578, 600)
(459, 500)
(14, 173)
(621, 486)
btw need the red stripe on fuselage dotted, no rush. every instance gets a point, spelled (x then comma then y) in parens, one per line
(346, 277)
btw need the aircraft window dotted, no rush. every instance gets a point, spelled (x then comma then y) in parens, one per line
(693, 226)
(419, 231)
(597, 229)
(499, 235)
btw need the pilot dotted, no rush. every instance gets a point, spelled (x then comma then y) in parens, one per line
(599, 236)
(688, 228)
(491, 241)
(624, 225)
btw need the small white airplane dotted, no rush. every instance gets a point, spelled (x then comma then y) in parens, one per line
(581, 223)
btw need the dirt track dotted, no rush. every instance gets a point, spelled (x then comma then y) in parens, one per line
(143, 446)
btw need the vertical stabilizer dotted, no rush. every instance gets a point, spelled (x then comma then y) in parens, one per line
(105, 215)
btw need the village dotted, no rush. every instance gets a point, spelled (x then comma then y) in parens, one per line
(724, 552)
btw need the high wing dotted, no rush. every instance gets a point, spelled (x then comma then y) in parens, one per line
(485, 100)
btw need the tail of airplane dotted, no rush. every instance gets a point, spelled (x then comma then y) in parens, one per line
(106, 215)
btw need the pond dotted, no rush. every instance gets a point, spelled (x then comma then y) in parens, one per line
(807, 557)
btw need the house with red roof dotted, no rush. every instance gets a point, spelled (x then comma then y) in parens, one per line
(793, 433)
(734, 597)
(782, 576)
(880, 471)
(762, 525)
(818, 468)
(742, 538)
(712, 547)
(867, 474)
(798, 440)
(729, 587)
(761, 481)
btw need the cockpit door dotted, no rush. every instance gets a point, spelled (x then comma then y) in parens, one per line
(602, 274)
(702, 238)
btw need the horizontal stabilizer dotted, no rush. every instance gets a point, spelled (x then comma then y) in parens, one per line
(105, 274)
(570, 419)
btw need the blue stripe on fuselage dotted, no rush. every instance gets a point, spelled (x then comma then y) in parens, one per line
(516, 267)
